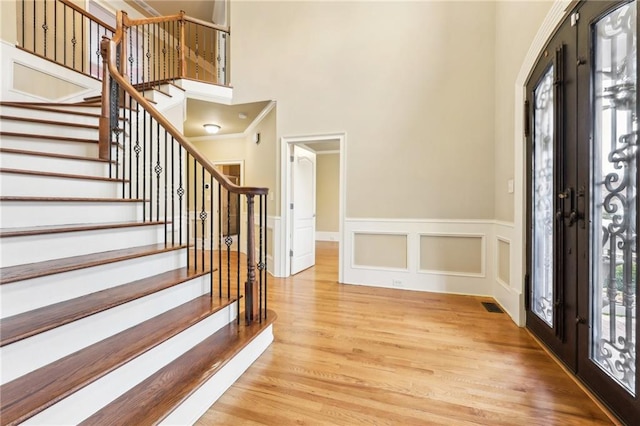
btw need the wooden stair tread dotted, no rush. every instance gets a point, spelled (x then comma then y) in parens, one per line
(154, 398)
(58, 229)
(51, 137)
(53, 155)
(12, 274)
(71, 199)
(47, 108)
(39, 320)
(35, 391)
(49, 122)
(61, 175)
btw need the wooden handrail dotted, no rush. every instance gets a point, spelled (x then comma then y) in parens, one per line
(172, 18)
(108, 49)
(87, 14)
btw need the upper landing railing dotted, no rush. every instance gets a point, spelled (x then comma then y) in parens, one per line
(152, 50)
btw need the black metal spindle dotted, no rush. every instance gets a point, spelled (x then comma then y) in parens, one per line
(34, 26)
(144, 165)
(44, 26)
(260, 261)
(211, 235)
(130, 146)
(173, 202)
(203, 217)
(194, 195)
(166, 181)
(55, 33)
(180, 190)
(189, 190)
(74, 40)
(150, 170)
(227, 242)
(266, 227)
(220, 239)
(23, 24)
(164, 51)
(64, 29)
(239, 243)
(158, 170)
(154, 55)
(82, 46)
(148, 56)
(197, 54)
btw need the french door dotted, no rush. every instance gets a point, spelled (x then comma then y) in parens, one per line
(582, 143)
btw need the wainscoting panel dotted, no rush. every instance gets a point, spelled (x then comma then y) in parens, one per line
(445, 256)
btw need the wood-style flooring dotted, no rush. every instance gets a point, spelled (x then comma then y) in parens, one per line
(349, 355)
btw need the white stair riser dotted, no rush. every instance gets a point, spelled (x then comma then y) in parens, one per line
(52, 186)
(49, 115)
(53, 164)
(190, 410)
(92, 398)
(29, 354)
(38, 248)
(26, 295)
(50, 146)
(47, 129)
(27, 213)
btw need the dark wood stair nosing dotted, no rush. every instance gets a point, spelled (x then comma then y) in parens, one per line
(13, 274)
(152, 400)
(61, 175)
(36, 107)
(54, 155)
(32, 393)
(31, 323)
(59, 229)
(52, 137)
(49, 122)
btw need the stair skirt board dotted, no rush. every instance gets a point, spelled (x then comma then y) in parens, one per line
(26, 295)
(14, 184)
(199, 402)
(34, 143)
(29, 354)
(83, 403)
(38, 248)
(52, 164)
(26, 213)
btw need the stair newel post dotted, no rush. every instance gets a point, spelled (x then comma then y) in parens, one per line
(183, 58)
(104, 124)
(251, 307)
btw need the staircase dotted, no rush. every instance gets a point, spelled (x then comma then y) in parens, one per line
(102, 321)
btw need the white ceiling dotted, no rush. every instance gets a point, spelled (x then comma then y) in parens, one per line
(227, 117)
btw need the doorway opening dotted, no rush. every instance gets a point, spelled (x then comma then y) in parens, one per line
(299, 185)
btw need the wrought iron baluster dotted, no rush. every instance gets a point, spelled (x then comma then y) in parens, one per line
(194, 194)
(64, 28)
(74, 40)
(260, 261)
(158, 170)
(23, 29)
(196, 53)
(173, 201)
(266, 245)
(164, 51)
(239, 243)
(189, 191)
(34, 26)
(211, 235)
(227, 242)
(45, 28)
(220, 240)
(203, 217)
(144, 165)
(55, 35)
(82, 46)
(150, 170)
(180, 191)
(166, 182)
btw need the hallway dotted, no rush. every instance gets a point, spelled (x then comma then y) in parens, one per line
(346, 355)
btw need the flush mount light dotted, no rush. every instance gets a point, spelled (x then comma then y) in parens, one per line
(212, 129)
(242, 116)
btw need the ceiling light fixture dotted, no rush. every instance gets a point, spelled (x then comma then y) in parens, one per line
(212, 129)
(242, 116)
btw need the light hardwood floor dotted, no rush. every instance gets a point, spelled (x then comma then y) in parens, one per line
(348, 355)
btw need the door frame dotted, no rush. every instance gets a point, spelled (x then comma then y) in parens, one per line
(285, 194)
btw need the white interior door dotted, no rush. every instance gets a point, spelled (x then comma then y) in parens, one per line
(303, 181)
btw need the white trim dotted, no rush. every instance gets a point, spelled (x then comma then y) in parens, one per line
(334, 151)
(285, 197)
(413, 220)
(483, 254)
(327, 236)
(378, 268)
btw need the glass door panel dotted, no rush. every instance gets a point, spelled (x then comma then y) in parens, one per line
(614, 196)
(542, 199)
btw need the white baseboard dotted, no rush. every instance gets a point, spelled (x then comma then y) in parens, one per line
(327, 236)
